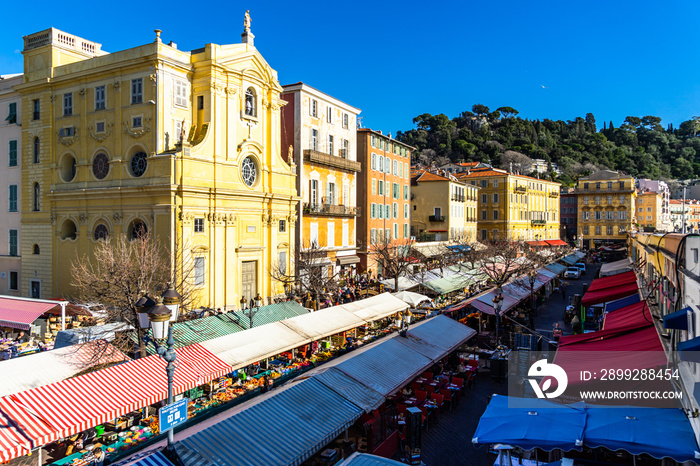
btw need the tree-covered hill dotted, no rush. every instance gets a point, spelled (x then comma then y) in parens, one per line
(640, 146)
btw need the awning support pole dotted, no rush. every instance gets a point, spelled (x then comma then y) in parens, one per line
(63, 315)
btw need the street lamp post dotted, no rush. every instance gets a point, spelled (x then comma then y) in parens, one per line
(159, 315)
(532, 276)
(253, 308)
(498, 301)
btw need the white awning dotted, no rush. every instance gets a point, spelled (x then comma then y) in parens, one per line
(613, 268)
(376, 307)
(244, 348)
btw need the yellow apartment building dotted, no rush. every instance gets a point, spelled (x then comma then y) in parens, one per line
(320, 135)
(443, 208)
(649, 211)
(606, 208)
(514, 207)
(183, 145)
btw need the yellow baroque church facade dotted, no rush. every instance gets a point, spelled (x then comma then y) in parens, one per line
(182, 145)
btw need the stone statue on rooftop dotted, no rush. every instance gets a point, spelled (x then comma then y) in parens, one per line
(246, 21)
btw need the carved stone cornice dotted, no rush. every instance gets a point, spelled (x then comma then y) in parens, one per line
(186, 218)
(136, 134)
(82, 218)
(231, 219)
(230, 91)
(117, 218)
(99, 137)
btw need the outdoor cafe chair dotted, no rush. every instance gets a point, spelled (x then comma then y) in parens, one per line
(421, 395)
(447, 394)
(459, 382)
(415, 386)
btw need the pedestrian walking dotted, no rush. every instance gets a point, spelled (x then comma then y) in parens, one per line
(556, 332)
(563, 290)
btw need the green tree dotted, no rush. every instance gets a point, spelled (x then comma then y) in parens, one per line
(682, 169)
(480, 110)
(507, 112)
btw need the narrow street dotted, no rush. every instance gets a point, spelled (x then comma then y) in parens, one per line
(553, 309)
(448, 442)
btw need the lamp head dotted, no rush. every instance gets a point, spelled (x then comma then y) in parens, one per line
(159, 316)
(143, 306)
(172, 300)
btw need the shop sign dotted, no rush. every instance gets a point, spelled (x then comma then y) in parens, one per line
(172, 415)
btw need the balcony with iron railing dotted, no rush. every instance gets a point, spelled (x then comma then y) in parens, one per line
(457, 198)
(329, 160)
(331, 210)
(614, 189)
(521, 189)
(553, 194)
(436, 218)
(539, 222)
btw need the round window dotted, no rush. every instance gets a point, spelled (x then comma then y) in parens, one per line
(138, 164)
(101, 232)
(249, 171)
(100, 166)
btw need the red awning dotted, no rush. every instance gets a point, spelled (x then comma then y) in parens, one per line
(610, 349)
(537, 243)
(437, 231)
(44, 414)
(484, 303)
(610, 288)
(613, 280)
(609, 294)
(634, 315)
(483, 307)
(556, 242)
(20, 313)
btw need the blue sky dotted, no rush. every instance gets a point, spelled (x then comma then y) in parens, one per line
(396, 60)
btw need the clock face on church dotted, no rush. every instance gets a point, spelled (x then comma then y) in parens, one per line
(249, 171)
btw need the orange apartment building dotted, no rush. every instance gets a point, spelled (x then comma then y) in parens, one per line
(383, 193)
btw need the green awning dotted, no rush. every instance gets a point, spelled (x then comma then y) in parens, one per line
(272, 313)
(451, 283)
(208, 328)
(556, 268)
(571, 259)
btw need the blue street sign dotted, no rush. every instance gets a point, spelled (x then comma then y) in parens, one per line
(172, 415)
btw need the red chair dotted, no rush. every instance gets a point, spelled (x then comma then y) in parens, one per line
(400, 408)
(459, 382)
(427, 376)
(429, 388)
(421, 395)
(471, 378)
(447, 394)
(439, 399)
(473, 363)
(415, 386)
(425, 416)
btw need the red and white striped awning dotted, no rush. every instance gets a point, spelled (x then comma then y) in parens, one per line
(20, 313)
(44, 414)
